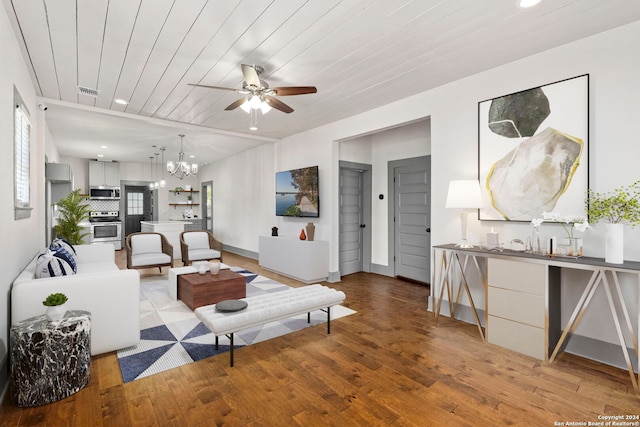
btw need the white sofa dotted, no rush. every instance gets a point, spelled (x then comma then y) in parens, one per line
(100, 287)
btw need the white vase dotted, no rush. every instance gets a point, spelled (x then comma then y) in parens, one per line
(215, 267)
(614, 244)
(203, 267)
(56, 312)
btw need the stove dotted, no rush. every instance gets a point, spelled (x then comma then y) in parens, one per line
(106, 227)
(104, 216)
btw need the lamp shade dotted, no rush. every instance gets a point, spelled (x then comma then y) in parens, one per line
(464, 194)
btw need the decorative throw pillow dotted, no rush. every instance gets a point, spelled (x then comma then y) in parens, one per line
(66, 251)
(60, 242)
(52, 264)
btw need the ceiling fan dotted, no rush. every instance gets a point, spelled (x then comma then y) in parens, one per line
(258, 93)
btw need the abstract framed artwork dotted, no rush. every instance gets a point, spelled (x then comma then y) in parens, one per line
(533, 151)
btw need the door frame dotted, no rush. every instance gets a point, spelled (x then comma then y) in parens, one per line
(366, 210)
(123, 203)
(203, 204)
(391, 228)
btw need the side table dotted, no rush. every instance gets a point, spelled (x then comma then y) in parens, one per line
(50, 360)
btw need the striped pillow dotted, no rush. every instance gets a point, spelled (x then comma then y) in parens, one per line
(66, 251)
(52, 264)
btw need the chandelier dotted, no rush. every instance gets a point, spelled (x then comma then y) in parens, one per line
(181, 169)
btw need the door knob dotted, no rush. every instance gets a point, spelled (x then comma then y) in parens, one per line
(429, 230)
(363, 225)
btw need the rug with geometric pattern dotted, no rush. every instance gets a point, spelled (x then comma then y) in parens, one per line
(172, 336)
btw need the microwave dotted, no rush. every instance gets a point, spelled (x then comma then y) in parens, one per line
(105, 193)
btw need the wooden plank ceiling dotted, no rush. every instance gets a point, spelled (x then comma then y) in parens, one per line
(360, 54)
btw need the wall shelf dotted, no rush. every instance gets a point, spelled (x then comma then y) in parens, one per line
(183, 191)
(184, 204)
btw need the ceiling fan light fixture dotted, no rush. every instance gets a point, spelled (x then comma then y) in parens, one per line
(265, 107)
(246, 107)
(255, 102)
(528, 3)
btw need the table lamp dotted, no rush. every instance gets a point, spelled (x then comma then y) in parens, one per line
(465, 195)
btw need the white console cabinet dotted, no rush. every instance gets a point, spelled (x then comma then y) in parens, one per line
(301, 260)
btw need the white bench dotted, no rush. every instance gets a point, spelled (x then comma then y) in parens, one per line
(267, 308)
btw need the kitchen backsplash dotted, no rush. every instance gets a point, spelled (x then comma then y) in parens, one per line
(105, 205)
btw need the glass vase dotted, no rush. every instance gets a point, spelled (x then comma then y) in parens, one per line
(535, 242)
(572, 246)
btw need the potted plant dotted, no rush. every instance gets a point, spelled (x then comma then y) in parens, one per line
(616, 208)
(73, 210)
(55, 306)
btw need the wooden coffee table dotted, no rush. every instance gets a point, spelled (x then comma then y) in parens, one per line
(196, 290)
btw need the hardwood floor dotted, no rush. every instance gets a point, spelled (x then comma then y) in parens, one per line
(385, 365)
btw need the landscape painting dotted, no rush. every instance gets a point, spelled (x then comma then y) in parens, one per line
(297, 193)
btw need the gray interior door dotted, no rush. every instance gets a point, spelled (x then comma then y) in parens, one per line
(351, 221)
(412, 215)
(138, 207)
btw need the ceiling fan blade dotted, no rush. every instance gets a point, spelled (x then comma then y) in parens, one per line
(278, 105)
(250, 75)
(236, 104)
(216, 87)
(294, 90)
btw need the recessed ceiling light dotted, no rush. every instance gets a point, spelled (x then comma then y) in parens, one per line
(528, 3)
(120, 101)
(253, 128)
(103, 146)
(192, 156)
(100, 155)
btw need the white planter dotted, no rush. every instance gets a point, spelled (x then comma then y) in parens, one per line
(56, 312)
(614, 244)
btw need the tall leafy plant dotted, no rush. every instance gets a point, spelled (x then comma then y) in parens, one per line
(73, 210)
(619, 206)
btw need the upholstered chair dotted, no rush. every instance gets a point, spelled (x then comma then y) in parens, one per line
(148, 249)
(199, 245)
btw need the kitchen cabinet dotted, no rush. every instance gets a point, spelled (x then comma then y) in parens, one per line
(58, 173)
(104, 174)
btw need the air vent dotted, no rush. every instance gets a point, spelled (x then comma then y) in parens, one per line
(88, 91)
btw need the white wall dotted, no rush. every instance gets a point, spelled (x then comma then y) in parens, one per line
(243, 197)
(23, 237)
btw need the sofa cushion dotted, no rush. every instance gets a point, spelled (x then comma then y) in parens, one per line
(196, 240)
(146, 244)
(150, 259)
(96, 267)
(201, 254)
(52, 264)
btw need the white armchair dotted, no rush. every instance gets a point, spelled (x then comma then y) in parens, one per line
(148, 249)
(199, 245)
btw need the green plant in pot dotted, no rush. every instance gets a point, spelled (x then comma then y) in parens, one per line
(55, 306)
(616, 208)
(73, 210)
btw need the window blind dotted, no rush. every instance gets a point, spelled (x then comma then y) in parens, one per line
(22, 130)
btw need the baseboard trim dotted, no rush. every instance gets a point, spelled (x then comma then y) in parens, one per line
(334, 277)
(239, 251)
(383, 270)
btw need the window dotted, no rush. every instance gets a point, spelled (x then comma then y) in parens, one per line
(135, 203)
(22, 133)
